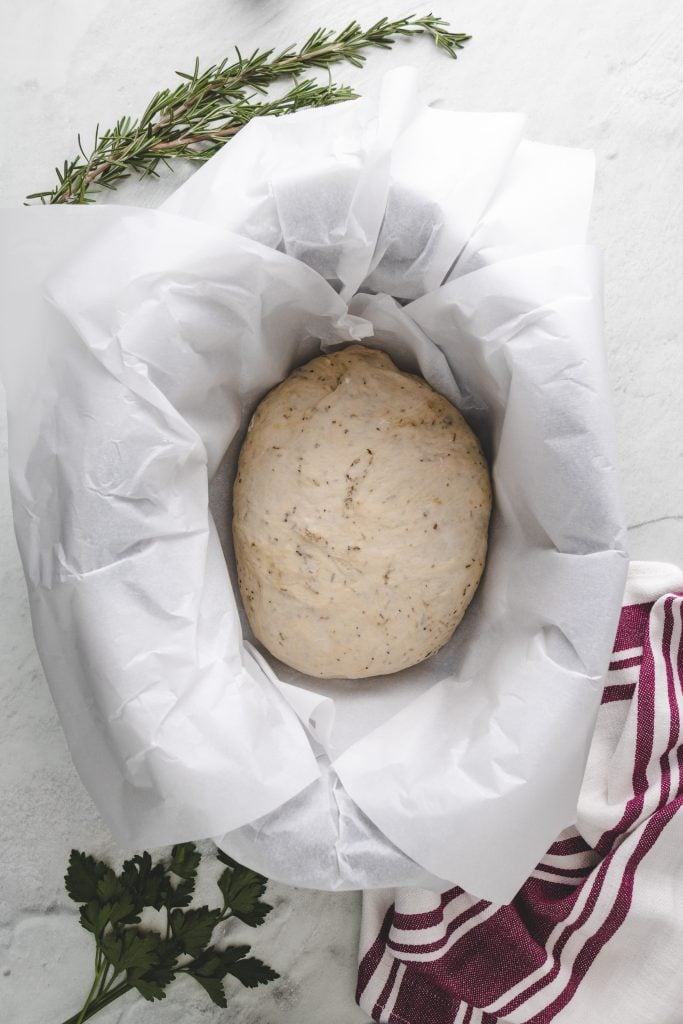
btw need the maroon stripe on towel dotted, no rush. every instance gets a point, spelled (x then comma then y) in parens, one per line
(372, 958)
(564, 847)
(632, 624)
(674, 724)
(550, 869)
(386, 991)
(616, 917)
(651, 831)
(679, 673)
(645, 696)
(624, 691)
(428, 918)
(433, 947)
(556, 951)
(626, 663)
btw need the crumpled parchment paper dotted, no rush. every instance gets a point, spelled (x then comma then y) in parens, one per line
(137, 344)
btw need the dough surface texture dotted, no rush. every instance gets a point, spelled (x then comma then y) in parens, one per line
(360, 517)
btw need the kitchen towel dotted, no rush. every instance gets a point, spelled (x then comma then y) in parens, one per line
(595, 932)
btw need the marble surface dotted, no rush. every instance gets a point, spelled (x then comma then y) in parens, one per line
(603, 76)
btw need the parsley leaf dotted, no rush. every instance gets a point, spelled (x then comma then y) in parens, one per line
(151, 982)
(149, 989)
(179, 895)
(131, 950)
(242, 888)
(95, 918)
(83, 877)
(211, 967)
(252, 972)
(185, 860)
(128, 957)
(145, 883)
(192, 929)
(215, 962)
(109, 887)
(214, 988)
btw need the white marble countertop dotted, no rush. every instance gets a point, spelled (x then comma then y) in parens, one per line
(605, 76)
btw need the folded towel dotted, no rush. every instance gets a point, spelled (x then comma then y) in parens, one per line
(595, 934)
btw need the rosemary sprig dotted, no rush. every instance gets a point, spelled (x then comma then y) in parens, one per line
(194, 120)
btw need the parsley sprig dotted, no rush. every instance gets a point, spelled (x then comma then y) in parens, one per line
(196, 118)
(129, 957)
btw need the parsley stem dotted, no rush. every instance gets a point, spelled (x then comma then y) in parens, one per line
(88, 1002)
(89, 1010)
(105, 981)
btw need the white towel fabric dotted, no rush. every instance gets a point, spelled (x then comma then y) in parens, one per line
(596, 932)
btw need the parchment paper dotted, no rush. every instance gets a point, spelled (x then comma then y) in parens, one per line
(131, 373)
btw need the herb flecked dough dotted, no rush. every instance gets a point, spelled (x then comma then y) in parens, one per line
(360, 517)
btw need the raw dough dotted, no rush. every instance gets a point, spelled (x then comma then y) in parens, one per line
(360, 517)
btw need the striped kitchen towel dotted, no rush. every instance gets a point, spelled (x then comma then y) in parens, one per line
(596, 933)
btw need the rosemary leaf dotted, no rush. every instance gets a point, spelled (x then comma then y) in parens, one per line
(194, 120)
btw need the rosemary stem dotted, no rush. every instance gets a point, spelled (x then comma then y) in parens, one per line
(209, 108)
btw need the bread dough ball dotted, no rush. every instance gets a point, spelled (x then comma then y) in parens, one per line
(360, 517)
